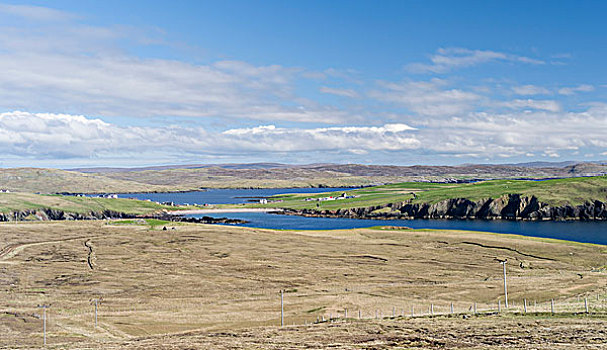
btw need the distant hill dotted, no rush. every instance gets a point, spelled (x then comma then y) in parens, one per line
(266, 175)
(183, 166)
(57, 181)
(545, 164)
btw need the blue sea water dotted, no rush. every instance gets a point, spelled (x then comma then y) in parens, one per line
(589, 232)
(223, 196)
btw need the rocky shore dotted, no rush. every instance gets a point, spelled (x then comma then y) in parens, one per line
(208, 220)
(507, 207)
(46, 214)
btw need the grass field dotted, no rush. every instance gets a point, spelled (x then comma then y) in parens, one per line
(11, 202)
(201, 286)
(572, 191)
(56, 181)
(555, 192)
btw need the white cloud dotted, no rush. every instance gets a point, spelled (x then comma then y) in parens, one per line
(514, 134)
(61, 136)
(115, 86)
(573, 90)
(547, 105)
(46, 135)
(446, 59)
(36, 13)
(530, 90)
(349, 138)
(475, 135)
(339, 92)
(429, 98)
(67, 66)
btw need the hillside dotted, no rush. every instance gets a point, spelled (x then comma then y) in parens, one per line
(266, 175)
(58, 181)
(569, 191)
(202, 286)
(332, 175)
(28, 203)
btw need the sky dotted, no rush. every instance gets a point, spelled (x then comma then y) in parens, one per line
(133, 83)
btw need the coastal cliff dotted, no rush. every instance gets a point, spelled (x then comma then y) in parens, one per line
(46, 214)
(506, 207)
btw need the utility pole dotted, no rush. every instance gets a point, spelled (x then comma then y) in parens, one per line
(44, 307)
(505, 285)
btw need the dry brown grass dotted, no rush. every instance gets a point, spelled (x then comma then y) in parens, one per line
(205, 280)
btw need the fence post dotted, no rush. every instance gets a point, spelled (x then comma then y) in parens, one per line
(451, 308)
(499, 306)
(475, 308)
(393, 311)
(586, 304)
(552, 305)
(412, 311)
(44, 307)
(359, 314)
(282, 309)
(432, 309)
(525, 305)
(44, 326)
(346, 313)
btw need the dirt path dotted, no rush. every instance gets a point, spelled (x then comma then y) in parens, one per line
(508, 249)
(90, 254)
(13, 249)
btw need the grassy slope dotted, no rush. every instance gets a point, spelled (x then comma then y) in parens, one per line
(555, 192)
(19, 201)
(274, 178)
(572, 191)
(54, 181)
(220, 278)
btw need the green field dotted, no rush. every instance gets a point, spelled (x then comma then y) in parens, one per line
(573, 191)
(11, 202)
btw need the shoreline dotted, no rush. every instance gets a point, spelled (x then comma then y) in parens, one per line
(226, 210)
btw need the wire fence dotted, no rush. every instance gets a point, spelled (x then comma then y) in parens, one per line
(293, 309)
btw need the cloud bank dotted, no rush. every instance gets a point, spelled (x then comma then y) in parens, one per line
(48, 136)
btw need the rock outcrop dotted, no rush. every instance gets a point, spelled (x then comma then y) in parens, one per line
(507, 207)
(45, 214)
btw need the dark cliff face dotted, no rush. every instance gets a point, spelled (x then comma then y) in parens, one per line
(507, 207)
(53, 214)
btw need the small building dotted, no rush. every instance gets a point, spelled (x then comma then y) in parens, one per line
(263, 201)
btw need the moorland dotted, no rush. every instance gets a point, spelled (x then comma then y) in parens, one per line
(197, 286)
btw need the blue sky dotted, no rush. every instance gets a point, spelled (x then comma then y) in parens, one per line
(118, 83)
